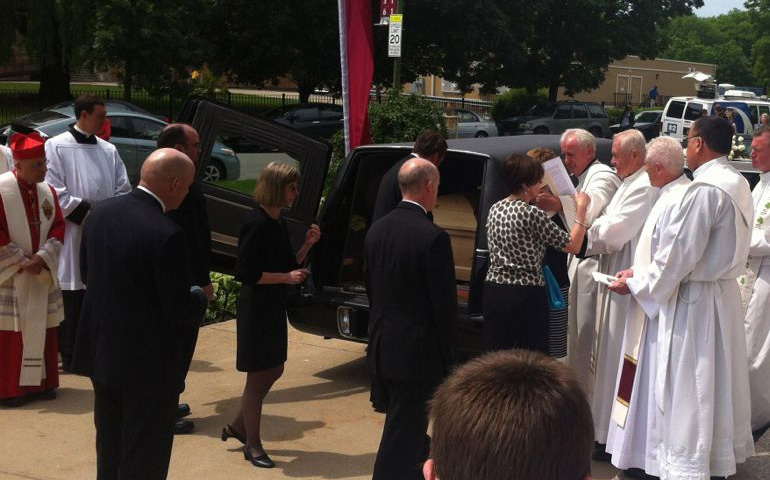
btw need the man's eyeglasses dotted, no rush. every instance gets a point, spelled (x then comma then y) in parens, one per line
(687, 140)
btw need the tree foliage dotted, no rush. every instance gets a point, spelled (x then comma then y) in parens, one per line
(54, 35)
(259, 42)
(759, 16)
(152, 44)
(725, 40)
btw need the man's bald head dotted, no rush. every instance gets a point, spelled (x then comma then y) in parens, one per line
(168, 174)
(418, 180)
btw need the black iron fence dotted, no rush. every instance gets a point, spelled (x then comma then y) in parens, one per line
(15, 103)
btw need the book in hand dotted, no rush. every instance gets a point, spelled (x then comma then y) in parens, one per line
(603, 278)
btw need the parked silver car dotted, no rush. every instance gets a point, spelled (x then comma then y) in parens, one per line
(135, 135)
(472, 125)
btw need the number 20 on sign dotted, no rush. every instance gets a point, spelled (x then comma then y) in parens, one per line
(394, 36)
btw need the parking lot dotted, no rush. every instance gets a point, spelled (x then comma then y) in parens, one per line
(317, 421)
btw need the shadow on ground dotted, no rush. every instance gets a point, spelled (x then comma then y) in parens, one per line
(323, 464)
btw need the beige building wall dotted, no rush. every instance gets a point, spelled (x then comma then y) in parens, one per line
(636, 77)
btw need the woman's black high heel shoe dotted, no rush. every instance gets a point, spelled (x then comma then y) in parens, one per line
(262, 461)
(229, 432)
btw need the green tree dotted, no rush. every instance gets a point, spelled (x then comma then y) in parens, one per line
(54, 33)
(571, 44)
(759, 15)
(725, 40)
(259, 42)
(152, 44)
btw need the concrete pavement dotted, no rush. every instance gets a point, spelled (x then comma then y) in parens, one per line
(317, 421)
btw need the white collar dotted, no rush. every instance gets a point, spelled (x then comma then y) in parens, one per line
(412, 201)
(79, 130)
(709, 164)
(145, 189)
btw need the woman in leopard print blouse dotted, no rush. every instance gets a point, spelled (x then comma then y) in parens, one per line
(515, 302)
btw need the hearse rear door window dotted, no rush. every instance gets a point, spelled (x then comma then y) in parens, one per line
(235, 149)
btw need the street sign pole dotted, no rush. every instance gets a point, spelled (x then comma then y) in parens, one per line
(397, 59)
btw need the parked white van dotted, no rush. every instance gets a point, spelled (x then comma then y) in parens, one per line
(681, 112)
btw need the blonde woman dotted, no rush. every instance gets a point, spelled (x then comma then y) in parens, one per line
(265, 266)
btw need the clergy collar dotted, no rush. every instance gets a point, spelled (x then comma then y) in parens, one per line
(415, 203)
(147, 190)
(765, 176)
(709, 164)
(635, 175)
(81, 136)
(585, 172)
(670, 185)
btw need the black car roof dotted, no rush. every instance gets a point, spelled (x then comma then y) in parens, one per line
(498, 148)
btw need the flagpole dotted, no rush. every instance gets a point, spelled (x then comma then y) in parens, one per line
(342, 7)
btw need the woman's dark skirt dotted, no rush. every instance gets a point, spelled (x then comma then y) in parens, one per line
(515, 316)
(262, 331)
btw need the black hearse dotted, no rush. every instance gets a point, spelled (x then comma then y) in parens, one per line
(333, 302)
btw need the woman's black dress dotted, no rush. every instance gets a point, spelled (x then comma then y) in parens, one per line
(263, 246)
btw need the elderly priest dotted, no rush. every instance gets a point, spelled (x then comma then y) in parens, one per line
(31, 236)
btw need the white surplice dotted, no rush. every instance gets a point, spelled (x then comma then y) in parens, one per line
(700, 409)
(756, 285)
(600, 182)
(613, 236)
(80, 172)
(630, 443)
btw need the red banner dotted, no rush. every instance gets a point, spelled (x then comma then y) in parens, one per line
(357, 58)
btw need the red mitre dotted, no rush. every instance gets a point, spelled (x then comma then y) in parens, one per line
(26, 147)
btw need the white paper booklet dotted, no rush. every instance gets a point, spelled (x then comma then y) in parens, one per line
(602, 278)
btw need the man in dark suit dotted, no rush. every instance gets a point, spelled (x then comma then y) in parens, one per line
(431, 146)
(138, 309)
(410, 280)
(193, 219)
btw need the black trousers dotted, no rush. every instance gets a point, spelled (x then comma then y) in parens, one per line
(404, 446)
(134, 432)
(72, 301)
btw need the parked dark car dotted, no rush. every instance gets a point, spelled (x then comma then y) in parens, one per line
(320, 120)
(647, 122)
(112, 106)
(556, 117)
(333, 302)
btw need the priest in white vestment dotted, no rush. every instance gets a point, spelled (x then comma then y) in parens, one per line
(630, 429)
(613, 238)
(755, 287)
(699, 409)
(84, 170)
(31, 234)
(599, 181)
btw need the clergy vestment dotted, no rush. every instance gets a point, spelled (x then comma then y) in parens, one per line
(84, 170)
(700, 405)
(630, 442)
(600, 182)
(755, 290)
(6, 159)
(31, 223)
(613, 236)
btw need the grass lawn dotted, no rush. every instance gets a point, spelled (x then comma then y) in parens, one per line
(245, 186)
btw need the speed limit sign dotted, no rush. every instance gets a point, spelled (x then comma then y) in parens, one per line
(394, 35)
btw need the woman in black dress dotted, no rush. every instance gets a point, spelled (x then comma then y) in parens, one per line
(515, 303)
(265, 266)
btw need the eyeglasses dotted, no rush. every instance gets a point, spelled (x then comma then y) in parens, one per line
(687, 140)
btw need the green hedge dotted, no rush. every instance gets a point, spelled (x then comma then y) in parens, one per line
(515, 102)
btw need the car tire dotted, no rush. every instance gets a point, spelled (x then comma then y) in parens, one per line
(596, 132)
(540, 131)
(214, 171)
(481, 134)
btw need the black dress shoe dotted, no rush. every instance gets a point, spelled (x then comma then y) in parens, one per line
(600, 454)
(49, 394)
(229, 432)
(13, 402)
(262, 461)
(183, 426)
(638, 474)
(182, 410)
(757, 434)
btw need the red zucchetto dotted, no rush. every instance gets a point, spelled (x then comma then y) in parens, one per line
(26, 147)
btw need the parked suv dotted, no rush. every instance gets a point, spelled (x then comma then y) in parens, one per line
(556, 117)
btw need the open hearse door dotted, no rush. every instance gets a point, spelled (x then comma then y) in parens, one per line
(335, 304)
(255, 142)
